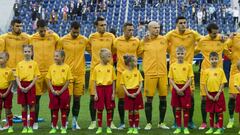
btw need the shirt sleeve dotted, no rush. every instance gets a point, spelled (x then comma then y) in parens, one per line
(69, 75)
(140, 76)
(11, 76)
(49, 76)
(122, 79)
(224, 80)
(170, 74)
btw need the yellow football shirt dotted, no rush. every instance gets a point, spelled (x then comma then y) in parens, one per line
(214, 78)
(122, 47)
(104, 74)
(206, 45)
(131, 78)
(97, 42)
(188, 39)
(6, 76)
(27, 70)
(154, 56)
(13, 45)
(180, 73)
(74, 51)
(59, 74)
(44, 48)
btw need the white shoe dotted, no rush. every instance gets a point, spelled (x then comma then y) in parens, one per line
(35, 126)
(77, 126)
(1, 128)
(148, 126)
(121, 127)
(113, 126)
(163, 126)
(93, 125)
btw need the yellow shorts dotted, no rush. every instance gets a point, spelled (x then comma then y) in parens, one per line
(153, 82)
(77, 86)
(232, 89)
(41, 84)
(119, 89)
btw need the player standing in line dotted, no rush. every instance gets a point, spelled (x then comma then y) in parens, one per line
(155, 72)
(27, 72)
(125, 44)
(188, 38)
(104, 78)
(44, 44)
(75, 45)
(211, 42)
(98, 40)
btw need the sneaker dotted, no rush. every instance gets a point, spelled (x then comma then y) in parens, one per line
(230, 123)
(113, 126)
(186, 131)
(99, 130)
(135, 131)
(53, 131)
(109, 130)
(177, 131)
(10, 130)
(210, 131)
(191, 125)
(75, 125)
(66, 125)
(25, 130)
(35, 126)
(163, 126)
(130, 131)
(92, 125)
(148, 126)
(30, 130)
(121, 127)
(174, 126)
(1, 128)
(63, 130)
(203, 126)
(6, 126)
(218, 131)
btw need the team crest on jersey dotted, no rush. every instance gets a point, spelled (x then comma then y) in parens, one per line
(80, 42)
(215, 74)
(99, 70)
(162, 43)
(218, 44)
(135, 75)
(6, 73)
(184, 69)
(30, 66)
(54, 71)
(174, 68)
(108, 70)
(63, 70)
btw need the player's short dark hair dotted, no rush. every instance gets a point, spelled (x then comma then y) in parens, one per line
(75, 25)
(15, 21)
(41, 23)
(180, 18)
(99, 18)
(213, 54)
(127, 24)
(113, 31)
(212, 26)
(128, 59)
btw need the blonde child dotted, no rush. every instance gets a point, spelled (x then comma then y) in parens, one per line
(131, 82)
(6, 78)
(104, 84)
(180, 75)
(58, 78)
